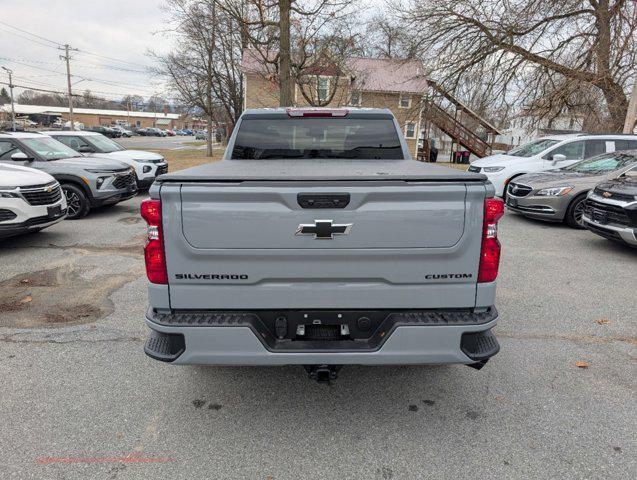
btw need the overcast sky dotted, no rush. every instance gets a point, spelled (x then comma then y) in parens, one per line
(123, 30)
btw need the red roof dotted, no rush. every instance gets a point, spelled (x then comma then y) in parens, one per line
(369, 74)
(388, 75)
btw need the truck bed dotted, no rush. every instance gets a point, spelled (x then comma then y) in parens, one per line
(320, 169)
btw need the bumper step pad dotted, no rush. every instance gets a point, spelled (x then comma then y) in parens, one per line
(165, 347)
(479, 346)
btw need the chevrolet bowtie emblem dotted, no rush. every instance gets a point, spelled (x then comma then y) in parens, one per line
(324, 229)
(607, 194)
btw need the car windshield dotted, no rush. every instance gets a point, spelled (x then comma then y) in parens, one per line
(104, 144)
(603, 163)
(49, 149)
(533, 148)
(317, 137)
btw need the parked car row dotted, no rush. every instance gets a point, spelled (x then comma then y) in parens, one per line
(44, 180)
(598, 193)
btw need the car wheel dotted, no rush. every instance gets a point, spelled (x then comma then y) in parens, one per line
(76, 202)
(575, 211)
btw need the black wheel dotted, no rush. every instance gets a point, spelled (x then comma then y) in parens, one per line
(76, 202)
(574, 212)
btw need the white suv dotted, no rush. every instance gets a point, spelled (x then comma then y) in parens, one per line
(547, 153)
(147, 165)
(30, 200)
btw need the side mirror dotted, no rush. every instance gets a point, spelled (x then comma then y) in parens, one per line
(86, 149)
(21, 157)
(558, 158)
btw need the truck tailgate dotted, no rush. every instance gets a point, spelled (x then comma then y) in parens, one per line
(395, 244)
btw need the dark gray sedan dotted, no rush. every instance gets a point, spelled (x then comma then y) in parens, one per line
(558, 195)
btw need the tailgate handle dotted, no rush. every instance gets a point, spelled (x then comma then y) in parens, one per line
(323, 200)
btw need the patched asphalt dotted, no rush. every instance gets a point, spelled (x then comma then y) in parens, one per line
(82, 400)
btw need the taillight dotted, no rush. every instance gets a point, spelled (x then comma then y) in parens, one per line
(490, 252)
(154, 250)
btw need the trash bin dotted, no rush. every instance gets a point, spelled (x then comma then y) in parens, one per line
(461, 157)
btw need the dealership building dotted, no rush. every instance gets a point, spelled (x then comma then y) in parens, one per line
(90, 117)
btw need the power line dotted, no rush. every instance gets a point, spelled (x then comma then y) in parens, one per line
(102, 93)
(106, 82)
(55, 44)
(80, 65)
(111, 58)
(32, 34)
(39, 89)
(26, 38)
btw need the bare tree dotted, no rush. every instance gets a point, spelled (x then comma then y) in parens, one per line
(386, 37)
(203, 67)
(537, 52)
(284, 33)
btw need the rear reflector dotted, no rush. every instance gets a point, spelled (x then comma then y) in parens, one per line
(490, 252)
(316, 112)
(154, 255)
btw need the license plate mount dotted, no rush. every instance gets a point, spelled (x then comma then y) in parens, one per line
(599, 216)
(54, 211)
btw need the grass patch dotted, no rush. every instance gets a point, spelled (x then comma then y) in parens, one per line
(459, 166)
(186, 158)
(195, 143)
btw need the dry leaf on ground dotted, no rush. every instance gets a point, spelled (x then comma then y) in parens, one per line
(581, 364)
(27, 299)
(602, 321)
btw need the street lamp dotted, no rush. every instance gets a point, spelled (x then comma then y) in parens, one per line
(10, 72)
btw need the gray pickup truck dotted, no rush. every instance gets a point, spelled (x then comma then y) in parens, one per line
(318, 241)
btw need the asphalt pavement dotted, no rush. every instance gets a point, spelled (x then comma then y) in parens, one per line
(81, 400)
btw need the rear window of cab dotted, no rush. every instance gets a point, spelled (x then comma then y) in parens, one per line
(317, 137)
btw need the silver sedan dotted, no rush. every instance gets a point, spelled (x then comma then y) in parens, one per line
(558, 195)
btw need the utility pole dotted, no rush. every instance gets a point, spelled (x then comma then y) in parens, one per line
(10, 72)
(631, 114)
(67, 58)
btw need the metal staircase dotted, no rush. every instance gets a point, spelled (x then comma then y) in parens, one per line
(456, 130)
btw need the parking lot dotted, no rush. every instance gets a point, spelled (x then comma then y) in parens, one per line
(80, 398)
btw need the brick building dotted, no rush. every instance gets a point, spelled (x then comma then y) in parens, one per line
(90, 117)
(398, 85)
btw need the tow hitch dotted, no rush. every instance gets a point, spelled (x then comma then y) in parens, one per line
(323, 373)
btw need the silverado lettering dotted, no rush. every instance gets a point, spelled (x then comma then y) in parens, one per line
(210, 276)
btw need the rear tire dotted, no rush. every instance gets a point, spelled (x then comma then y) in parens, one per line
(76, 202)
(574, 212)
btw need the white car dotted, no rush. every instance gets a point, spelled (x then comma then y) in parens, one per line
(30, 200)
(147, 165)
(547, 153)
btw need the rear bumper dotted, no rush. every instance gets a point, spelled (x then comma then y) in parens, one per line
(415, 338)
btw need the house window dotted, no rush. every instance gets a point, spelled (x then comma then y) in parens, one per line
(405, 101)
(138, 123)
(355, 99)
(410, 130)
(322, 88)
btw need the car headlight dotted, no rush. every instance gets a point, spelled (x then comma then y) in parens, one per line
(554, 191)
(104, 172)
(143, 160)
(8, 192)
(100, 181)
(492, 169)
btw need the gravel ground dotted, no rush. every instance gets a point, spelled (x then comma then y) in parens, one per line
(83, 401)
